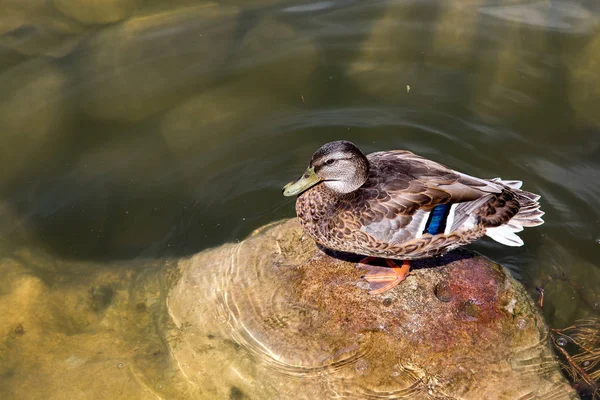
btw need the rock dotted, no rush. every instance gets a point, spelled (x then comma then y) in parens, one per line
(22, 298)
(202, 122)
(32, 117)
(39, 40)
(278, 56)
(455, 34)
(118, 199)
(267, 73)
(387, 60)
(270, 317)
(584, 81)
(97, 11)
(15, 230)
(252, 3)
(9, 58)
(518, 66)
(492, 59)
(514, 75)
(92, 328)
(567, 297)
(150, 62)
(34, 28)
(274, 317)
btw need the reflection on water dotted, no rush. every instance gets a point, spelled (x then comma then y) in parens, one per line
(135, 131)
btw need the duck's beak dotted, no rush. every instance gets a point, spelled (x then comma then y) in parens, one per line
(306, 181)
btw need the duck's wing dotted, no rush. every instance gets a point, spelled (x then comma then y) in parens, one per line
(407, 196)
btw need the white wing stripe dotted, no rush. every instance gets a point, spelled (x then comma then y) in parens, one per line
(449, 219)
(421, 227)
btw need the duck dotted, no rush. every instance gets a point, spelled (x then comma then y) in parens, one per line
(399, 207)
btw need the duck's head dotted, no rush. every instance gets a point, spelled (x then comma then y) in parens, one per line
(340, 165)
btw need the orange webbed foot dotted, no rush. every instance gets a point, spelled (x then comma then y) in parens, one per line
(382, 279)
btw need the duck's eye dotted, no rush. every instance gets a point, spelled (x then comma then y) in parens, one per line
(329, 162)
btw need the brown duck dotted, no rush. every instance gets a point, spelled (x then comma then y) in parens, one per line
(396, 205)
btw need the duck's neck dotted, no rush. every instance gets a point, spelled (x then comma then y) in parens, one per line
(344, 187)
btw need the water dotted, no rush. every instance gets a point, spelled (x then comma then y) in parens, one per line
(173, 128)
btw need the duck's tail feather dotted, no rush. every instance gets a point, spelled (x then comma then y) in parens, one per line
(510, 184)
(529, 214)
(506, 235)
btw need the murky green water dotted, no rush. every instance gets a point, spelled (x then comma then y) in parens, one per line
(134, 132)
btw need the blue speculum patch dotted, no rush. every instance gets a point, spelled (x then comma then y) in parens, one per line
(436, 223)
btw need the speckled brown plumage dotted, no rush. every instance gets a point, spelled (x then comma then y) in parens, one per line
(380, 219)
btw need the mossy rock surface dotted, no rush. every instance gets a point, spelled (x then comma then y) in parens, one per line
(275, 317)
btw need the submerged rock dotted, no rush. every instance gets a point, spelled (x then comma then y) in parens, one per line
(200, 123)
(514, 75)
(584, 81)
(92, 327)
(271, 317)
(275, 317)
(33, 27)
(492, 59)
(153, 61)
(385, 63)
(279, 56)
(95, 11)
(33, 114)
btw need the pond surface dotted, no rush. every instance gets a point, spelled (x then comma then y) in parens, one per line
(134, 132)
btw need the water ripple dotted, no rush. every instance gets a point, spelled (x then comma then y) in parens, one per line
(560, 16)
